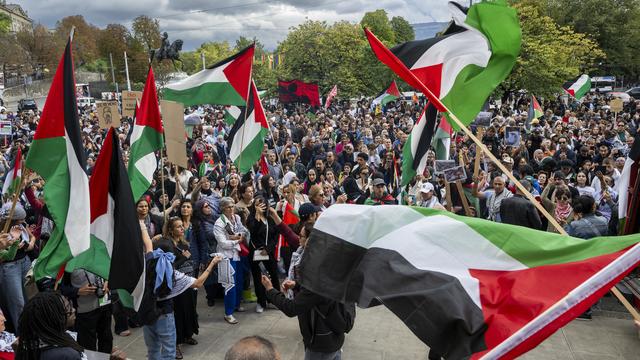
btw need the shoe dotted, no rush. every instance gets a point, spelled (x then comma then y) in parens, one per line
(585, 317)
(211, 302)
(124, 333)
(249, 296)
(191, 341)
(241, 309)
(179, 352)
(230, 319)
(259, 309)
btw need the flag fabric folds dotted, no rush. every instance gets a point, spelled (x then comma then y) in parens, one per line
(246, 138)
(579, 87)
(414, 156)
(146, 139)
(14, 176)
(466, 287)
(464, 65)
(224, 83)
(442, 139)
(535, 111)
(391, 93)
(289, 217)
(628, 184)
(116, 251)
(231, 114)
(298, 91)
(330, 96)
(58, 156)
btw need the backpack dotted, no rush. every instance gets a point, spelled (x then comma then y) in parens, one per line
(340, 318)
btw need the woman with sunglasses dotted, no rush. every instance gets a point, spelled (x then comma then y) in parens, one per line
(559, 205)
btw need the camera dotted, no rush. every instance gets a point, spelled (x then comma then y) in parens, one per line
(99, 292)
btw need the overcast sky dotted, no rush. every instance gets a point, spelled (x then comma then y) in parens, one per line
(197, 21)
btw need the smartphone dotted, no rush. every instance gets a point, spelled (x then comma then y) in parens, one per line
(601, 168)
(263, 269)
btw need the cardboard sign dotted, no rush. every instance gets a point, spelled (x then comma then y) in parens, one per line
(108, 115)
(129, 102)
(616, 105)
(5, 128)
(174, 132)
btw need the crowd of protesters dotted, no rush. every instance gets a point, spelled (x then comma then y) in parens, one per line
(210, 226)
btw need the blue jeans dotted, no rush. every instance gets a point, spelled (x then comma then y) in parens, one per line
(12, 287)
(160, 338)
(233, 297)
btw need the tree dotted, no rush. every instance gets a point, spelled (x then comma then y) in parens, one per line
(550, 54)
(114, 40)
(402, 30)
(85, 49)
(5, 23)
(146, 31)
(378, 22)
(39, 48)
(614, 24)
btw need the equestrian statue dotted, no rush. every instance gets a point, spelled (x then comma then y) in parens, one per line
(167, 51)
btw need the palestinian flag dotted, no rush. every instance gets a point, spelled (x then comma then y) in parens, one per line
(246, 138)
(391, 93)
(466, 287)
(14, 176)
(465, 64)
(146, 139)
(442, 139)
(58, 156)
(231, 114)
(414, 156)
(225, 83)
(628, 191)
(264, 167)
(116, 251)
(535, 111)
(579, 87)
(289, 217)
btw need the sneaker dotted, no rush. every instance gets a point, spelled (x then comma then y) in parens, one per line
(249, 296)
(230, 319)
(259, 309)
(241, 309)
(585, 317)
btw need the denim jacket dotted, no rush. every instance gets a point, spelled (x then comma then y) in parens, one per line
(588, 227)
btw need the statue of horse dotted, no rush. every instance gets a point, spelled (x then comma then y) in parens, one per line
(171, 52)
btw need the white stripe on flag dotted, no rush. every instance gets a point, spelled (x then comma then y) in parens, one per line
(102, 226)
(76, 227)
(623, 189)
(245, 134)
(147, 165)
(215, 75)
(416, 134)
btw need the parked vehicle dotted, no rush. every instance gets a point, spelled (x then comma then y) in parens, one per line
(27, 104)
(634, 92)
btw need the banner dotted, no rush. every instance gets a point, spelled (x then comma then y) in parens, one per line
(5, 128)
(107, 112)
(298, 91)
(175, 136)
(129, 99)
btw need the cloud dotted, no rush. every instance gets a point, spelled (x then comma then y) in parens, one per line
(197, 21)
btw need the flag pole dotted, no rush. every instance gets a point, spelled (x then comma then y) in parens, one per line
(246, 109)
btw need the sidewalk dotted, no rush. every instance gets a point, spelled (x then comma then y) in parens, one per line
(378, 334)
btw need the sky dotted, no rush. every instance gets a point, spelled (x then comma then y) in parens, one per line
(198, 21)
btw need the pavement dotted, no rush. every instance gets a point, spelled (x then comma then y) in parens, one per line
(379, 334)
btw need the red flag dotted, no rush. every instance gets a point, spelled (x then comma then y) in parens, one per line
(330, 96)
(264, 167)
(289, 217)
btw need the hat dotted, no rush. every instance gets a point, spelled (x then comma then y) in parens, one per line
(426, 187)
(307, 209)
(535, 121)
(378, 181)
(18, 212)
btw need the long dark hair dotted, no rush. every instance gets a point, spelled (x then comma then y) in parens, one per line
(44, 321)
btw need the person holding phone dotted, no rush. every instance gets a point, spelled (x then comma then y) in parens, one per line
(230, 234)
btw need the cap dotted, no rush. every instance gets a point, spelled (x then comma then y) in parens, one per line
(307, 209)
(378, 181)
(426, 187)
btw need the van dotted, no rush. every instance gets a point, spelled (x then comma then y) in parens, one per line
(85, 101)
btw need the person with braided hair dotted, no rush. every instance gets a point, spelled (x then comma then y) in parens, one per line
(44, 321)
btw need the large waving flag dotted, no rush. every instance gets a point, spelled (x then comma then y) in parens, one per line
(116, 251)
(579, 87)
(628, 206)
(246, 138)
(466, 287)
(146, 139)
(391, 93)
(14, 176)
(224, 83)
(442, 139)
(58, 156)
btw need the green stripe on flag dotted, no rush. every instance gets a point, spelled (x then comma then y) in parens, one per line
(251, 152)
(95, 260)
(207, 93)
(149, 141)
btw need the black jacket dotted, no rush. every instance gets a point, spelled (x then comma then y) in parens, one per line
(517, 210)
(259, 236)
(316, 335)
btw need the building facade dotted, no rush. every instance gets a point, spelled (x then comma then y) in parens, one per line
(19, 18)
